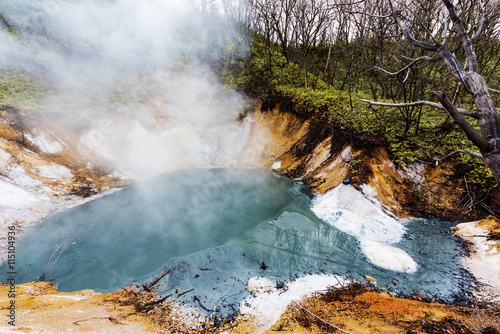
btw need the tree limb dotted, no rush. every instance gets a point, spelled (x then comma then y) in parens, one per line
(481, 23)
(416, 60)
(445, 32)
(494, 90)
(457, 117)
(148, 285)
(466, 42)
(406, 32)
(159, 301)
(465, 112)
(449, 155)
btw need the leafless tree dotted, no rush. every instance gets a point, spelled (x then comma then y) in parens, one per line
(467, 74)
(312, 17)
(284, 24)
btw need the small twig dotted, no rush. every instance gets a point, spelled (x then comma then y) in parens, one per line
(326, 322)
(147, 286)
(242, 281)
(201, 305)
(77, 322)
(338, 281)
(159, 301)
(56, 254)
(182, 294)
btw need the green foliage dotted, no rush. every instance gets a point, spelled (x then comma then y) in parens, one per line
(354, 165)
(269, 76)
(20, 91)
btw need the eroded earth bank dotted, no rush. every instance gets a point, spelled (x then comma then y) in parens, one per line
(46, 168)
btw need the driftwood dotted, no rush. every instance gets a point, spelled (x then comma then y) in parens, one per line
(201, 305)
(149, 285)
(156, 302)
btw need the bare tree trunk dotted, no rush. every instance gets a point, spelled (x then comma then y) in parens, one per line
(488, 141)
(489, 149)
(492, 160)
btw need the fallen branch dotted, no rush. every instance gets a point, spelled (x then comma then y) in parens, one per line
(201, 305)
(148, 285)
(466, 112)
(56, 254)
(182, 294)
(326, 322)
(115, 321)
(77, 322)
(147, 305)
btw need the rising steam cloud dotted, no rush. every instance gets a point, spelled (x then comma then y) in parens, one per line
(136, 73)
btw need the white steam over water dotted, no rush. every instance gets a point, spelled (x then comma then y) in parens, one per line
(351, 212)
(132, 77)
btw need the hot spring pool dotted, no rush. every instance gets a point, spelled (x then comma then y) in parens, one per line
(217, 228)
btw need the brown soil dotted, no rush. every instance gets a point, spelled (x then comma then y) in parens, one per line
(357, 310)
(40, 308)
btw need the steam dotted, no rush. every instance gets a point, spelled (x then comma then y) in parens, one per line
(136, 74)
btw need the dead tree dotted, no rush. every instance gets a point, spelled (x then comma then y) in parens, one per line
(488, 141)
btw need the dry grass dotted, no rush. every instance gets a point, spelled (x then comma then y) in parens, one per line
(356, 309)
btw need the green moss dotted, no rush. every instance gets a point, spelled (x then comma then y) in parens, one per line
(20, 91)
(434, 136)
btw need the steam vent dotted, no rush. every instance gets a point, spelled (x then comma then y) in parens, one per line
(242, 166)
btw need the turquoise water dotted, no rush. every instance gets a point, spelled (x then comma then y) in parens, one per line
(215, 229)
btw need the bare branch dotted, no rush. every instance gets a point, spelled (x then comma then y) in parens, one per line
(445, 33)
(481, 23)
(371, 15)
(426, 29)
(56, 254)
(407, 75)
(449, 155)
(466, 42)
(494, 90)
(457, 117)
(465, 112)
(406, 32)
(416, 60)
